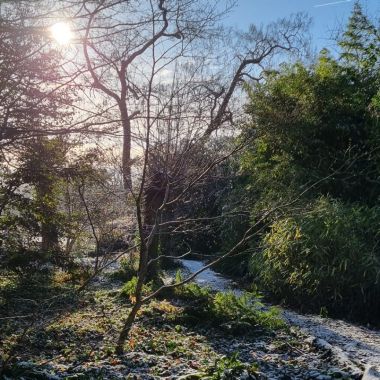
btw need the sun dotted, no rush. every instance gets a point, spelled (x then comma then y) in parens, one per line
(61, 33)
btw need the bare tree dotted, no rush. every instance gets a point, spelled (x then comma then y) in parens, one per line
(155, 68)
(129, 46)
(154, 64)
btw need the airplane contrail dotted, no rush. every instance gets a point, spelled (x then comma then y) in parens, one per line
(333, 3)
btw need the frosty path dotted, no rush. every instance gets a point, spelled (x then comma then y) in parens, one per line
(350, 342)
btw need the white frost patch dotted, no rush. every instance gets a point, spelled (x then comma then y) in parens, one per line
(349, 342)
(353, 346)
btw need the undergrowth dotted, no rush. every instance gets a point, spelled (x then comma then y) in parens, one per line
(230, 368)
(241, 311)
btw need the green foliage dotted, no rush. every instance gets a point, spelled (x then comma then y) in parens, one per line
(245, 308)
(129, 288)
(327, 258)
(360, 42)
(230, 368)
(191, 290)
(178, 276)
(313, 126)
(315, 163)
(129, 266)
(245, 311)
(31, 222)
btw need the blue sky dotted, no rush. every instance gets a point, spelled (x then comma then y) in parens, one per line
(327, 15)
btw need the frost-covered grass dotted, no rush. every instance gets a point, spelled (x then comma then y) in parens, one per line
(66, 334)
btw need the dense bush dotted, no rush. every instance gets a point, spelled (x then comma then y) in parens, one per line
(328, 258)
(315, 164)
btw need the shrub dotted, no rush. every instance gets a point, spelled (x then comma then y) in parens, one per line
(229, 307)
(78, 272)
(326, 258)
(178, 276)
(191, 291)
(129, 288)
(25, 262)
(237, 313)
(231, 368)
(128, 269)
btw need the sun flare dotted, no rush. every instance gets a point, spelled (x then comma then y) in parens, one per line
(61, 33)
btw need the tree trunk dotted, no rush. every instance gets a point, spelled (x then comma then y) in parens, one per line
(126, 329)
(126, 160)
(48, 210)
(123, 336)
(49, 238)
(154, 195)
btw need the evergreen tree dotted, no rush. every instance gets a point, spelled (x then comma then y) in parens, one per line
(360, 43)
(43, 168)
